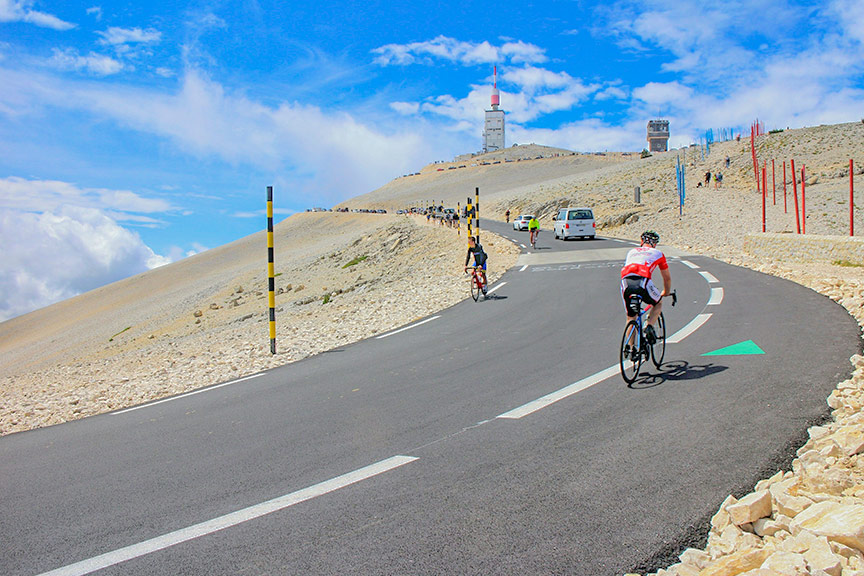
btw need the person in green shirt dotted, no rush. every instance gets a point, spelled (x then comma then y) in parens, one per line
(533, 229)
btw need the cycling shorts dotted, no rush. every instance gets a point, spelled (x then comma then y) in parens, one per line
(482, 266)
(641, 286)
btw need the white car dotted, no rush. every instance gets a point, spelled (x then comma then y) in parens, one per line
(572, 222)
(521, 222)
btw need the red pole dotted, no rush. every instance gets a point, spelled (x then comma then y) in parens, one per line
(851, 200)
(784, 187)
(795, 193)
(763, 199)
(773, 183)
(803, 205)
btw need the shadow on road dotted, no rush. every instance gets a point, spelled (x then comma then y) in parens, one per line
(678, 371)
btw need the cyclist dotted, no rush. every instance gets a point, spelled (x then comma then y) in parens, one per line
(475, 248)
(636, 279)
(533, 228)
(507, 215)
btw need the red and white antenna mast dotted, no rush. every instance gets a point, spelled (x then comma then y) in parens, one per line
(496, 99)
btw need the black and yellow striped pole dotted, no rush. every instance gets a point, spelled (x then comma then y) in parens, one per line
(271, 277)
(477, 212)
(469, 214)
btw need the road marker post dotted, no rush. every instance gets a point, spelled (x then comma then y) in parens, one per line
(851, 199)
(271, 277)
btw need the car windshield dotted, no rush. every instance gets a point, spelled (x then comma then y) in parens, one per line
(529, 217)
(579, 214)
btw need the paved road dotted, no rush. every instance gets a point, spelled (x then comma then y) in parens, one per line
(493, 438)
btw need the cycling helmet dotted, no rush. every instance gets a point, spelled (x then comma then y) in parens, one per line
(650, 237)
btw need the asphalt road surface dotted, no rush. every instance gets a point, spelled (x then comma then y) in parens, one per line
(496, 437)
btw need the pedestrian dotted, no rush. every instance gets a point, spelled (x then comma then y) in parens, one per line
(719, 179)
(507, 215)
(727, 162)
(707, 178)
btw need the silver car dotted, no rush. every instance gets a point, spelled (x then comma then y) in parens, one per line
(521, 222)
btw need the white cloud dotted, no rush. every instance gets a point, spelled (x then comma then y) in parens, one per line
(20, 11)
(50, 195)
(54, 255)
(465, 53)
(97, 64)
(96, 12)
(121, 37)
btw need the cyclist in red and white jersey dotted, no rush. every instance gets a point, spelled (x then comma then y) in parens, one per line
(636, 279)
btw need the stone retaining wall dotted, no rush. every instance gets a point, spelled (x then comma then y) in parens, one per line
(806, 247)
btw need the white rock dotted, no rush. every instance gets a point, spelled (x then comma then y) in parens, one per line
(750, 508)
(837, 522)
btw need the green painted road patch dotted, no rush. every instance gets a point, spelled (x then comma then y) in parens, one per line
(740, 349)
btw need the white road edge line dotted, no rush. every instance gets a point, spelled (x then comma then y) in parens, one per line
(716, 297)
(525, 267)
(408, 327)
(689, 264)
(541, 403)
(709, 277)
(694, 325)
(208, 389)
(495, 288)
(228, 520)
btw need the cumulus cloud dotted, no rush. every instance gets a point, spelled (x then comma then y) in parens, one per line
(54, 255)
(60, 240)
(97, 64)
(21, 11)
(452, 50)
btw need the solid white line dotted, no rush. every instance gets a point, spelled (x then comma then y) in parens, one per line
(523, 246)
(495, 288)
(716, 297)
(541, 403)
(187, 394)
(688, 329)
(407, 327)
(227, 521)
(709, 277)
(689, 264)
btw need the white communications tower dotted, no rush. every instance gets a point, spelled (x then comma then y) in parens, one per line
(493, 130)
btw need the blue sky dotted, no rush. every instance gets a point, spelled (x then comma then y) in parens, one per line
(135, 134)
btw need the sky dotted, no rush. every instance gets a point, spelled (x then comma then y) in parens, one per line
(134, 134)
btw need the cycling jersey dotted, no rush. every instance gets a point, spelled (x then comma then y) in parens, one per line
(533, 225)
(642, 261)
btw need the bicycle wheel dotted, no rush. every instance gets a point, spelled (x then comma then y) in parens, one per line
(658, 350)
(630, 357)
(475, 286)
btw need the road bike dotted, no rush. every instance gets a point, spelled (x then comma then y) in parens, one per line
(477, 283)
(534, 233)
(635, 347)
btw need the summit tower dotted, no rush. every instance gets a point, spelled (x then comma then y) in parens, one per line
(493, 129)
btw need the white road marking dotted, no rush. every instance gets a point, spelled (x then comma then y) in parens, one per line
(187, 394)
(709, 277)
(491, 290)
(716, 297)
(694, 325)
(689, 264)
(523, 246)
(408, 327)
(227, 521)
(525, 267)
(541, 403)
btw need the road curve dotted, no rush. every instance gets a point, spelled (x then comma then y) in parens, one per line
(495, 437)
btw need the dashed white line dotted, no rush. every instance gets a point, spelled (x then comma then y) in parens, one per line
(208, 389)
(716, 297)
(689, 264)
(491, 290)
(541, 403)
(408, 327)
(525, 267)
(691, 327)
(228, 520)
(709, 277)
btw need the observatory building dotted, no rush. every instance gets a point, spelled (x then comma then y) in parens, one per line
(493, 129)
(658, 135)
